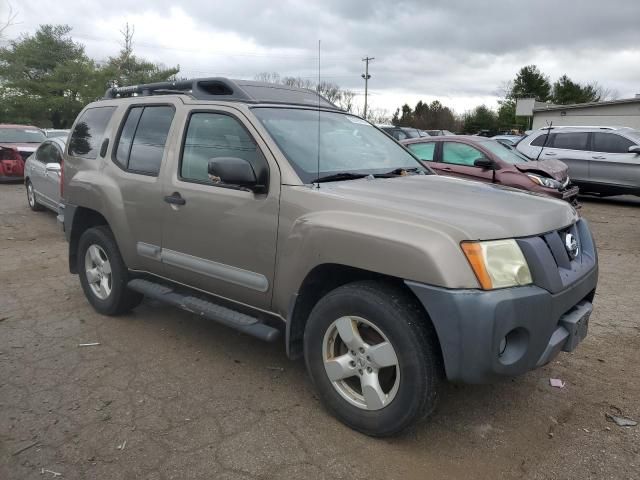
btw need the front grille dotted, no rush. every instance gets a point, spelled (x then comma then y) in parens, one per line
(552, 266)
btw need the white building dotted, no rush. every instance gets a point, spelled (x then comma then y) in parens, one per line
(615, 113)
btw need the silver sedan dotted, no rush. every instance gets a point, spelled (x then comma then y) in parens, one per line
(42, 171)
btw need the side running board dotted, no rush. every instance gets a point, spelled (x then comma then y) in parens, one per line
(239, 321)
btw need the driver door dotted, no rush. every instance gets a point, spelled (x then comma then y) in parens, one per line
(456, 160)
(216, 237)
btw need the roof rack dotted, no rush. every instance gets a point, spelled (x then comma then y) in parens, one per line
(580, 126)
(217, 88)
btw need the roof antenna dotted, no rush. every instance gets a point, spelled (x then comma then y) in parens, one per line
(318, 94)
(546, 139)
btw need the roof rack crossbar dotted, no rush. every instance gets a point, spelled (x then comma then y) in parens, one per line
(216, 88)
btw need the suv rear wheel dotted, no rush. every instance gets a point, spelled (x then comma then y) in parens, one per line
(372, 357)
(103, 274)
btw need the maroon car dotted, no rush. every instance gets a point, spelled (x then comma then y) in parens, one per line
(17, 143)
(486, 160)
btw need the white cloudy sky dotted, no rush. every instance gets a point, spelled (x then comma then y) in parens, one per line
(457, 51)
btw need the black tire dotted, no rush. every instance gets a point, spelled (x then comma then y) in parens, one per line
(402, 320)
(32, 199)
(120, 298)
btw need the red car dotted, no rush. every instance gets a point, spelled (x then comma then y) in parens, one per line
(486, 160)
(17, 142)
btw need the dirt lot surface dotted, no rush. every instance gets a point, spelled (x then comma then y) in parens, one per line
(167, 395)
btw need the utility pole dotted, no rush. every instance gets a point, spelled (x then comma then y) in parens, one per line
(366, 77)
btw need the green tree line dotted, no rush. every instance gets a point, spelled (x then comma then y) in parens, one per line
(47, 78)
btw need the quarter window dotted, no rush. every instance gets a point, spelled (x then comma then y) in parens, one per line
(543, 140)
(143, 137)
(424, 151)
(214, 135)
(460, 154)
(571, 141)
(611, 143)
(88, 132)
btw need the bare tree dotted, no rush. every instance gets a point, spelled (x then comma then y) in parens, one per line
(9, 20)
(604, 93)
(268, 77)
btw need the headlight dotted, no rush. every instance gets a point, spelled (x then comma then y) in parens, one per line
(545, 181)
(497, 263)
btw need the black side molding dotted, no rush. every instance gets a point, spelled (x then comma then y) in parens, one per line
(231, 318)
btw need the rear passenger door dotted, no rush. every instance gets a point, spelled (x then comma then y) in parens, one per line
(137, 157)
(611, 162)
(571, 148)
(221, 239)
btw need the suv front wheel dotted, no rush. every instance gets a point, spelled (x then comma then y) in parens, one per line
(103, 274)
(373, 357)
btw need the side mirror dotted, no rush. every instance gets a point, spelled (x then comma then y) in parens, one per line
(52, 167)
(233, 171)
(485, 163)
(634, 149)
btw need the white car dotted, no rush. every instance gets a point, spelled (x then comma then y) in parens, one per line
(601, 160)
(42, 172)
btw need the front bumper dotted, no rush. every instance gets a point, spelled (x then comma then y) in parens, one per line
(472, 326)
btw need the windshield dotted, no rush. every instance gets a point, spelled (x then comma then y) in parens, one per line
(347, 143)
(635, 134)
(504, 152)
(21, 135)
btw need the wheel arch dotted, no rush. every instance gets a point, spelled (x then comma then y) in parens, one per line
(320, 281)
(83, 219)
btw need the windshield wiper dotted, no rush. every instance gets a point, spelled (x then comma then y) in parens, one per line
(336, 177)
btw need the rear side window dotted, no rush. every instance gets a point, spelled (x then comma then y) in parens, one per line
(214, 135)
(460, 154)
(571, 141)
(424, 151)
(143, 137)
(88, 132)
(611, 143)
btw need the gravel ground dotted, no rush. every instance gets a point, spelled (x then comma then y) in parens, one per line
(168, 395)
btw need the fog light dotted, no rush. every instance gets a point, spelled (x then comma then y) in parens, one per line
(503, 346)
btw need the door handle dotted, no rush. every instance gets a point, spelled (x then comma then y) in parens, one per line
(551, 154)
(175, 199)
(599, 158)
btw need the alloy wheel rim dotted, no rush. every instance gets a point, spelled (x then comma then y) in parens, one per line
(98, 271)
(361, 363)
(31, 195)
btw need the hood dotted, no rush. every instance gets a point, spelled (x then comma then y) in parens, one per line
(553, 168)
(470, 210)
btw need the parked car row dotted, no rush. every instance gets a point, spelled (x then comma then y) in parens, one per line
(19, 142)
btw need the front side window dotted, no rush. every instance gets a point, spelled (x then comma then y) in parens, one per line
(460, 154)
(325, 143)
(571, 141)
(88, 132)
(611, 143)
(424, 151)
(143, 137)
(215, 135)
